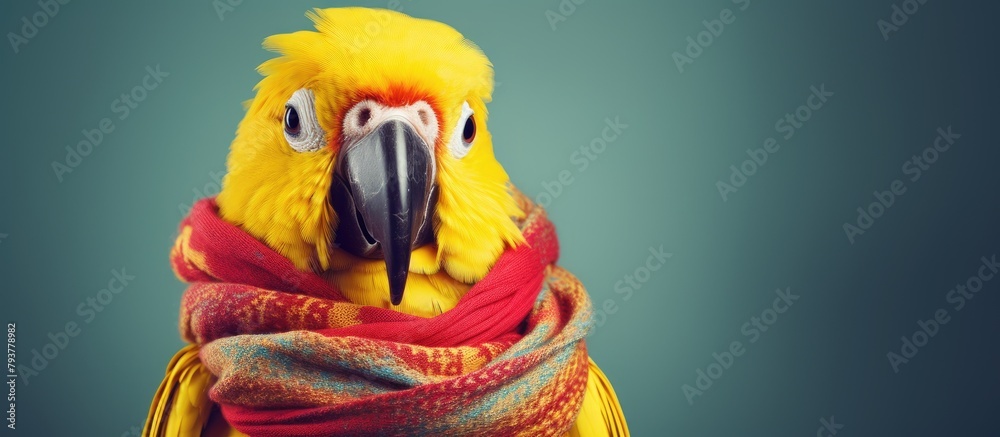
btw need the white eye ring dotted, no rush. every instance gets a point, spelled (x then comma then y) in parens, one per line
(302, 130)
(458, 146)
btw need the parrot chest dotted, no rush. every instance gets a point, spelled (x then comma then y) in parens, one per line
(429, 289)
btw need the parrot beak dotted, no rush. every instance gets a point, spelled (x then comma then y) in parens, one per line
(384, 193)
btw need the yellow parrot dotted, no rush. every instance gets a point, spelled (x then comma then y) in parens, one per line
(365, 158)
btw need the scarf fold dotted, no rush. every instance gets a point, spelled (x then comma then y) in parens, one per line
(293, 357)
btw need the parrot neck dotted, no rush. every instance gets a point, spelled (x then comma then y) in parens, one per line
(429, 289)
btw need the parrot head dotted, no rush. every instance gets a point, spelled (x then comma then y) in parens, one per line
(367, 140)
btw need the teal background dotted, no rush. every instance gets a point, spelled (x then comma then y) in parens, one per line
(654, 185)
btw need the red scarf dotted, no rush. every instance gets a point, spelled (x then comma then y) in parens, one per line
(293, 357)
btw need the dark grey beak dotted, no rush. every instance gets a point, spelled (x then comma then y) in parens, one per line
(384, 194)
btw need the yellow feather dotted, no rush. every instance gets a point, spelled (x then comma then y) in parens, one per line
(181, 406)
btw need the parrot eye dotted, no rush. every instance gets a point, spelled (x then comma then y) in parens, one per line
(469, 131)
(302, 130)
(465, 133)
(292, 121)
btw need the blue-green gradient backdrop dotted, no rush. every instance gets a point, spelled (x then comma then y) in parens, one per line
(562, 74)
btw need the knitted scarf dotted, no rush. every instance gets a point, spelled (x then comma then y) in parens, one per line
(292, 357)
